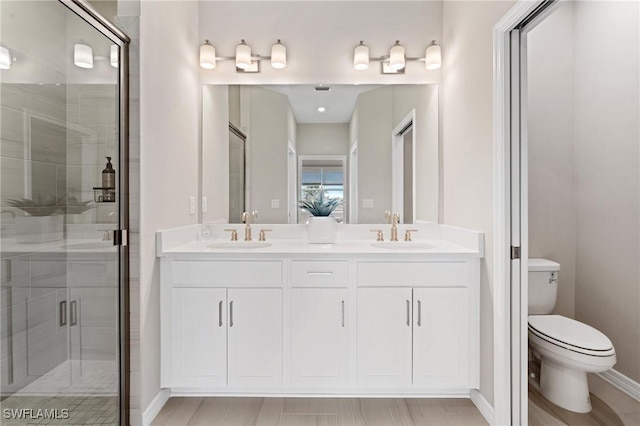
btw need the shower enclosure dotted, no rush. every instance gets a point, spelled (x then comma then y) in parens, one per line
(63, 252)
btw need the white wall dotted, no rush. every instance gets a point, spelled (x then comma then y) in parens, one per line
(323, 139)
(265, 121)
(320, 37)
(607, 126)
(467, 105)
(550, 116)
(169, 111)
(215, 151)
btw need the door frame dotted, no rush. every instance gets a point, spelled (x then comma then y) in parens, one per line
(397, 164)
(510, 230)
(90, 15)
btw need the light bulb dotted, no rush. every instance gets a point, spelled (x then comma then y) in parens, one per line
(82, 56)
(5, 58)
(207, 55)
(361, 57)
(278, 55)
(433, 56)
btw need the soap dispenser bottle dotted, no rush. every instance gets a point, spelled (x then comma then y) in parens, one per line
(108, 182)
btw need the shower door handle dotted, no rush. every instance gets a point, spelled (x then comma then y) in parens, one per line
(62, 311)
(74, 313)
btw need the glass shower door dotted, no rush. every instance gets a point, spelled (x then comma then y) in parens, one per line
(60, 361)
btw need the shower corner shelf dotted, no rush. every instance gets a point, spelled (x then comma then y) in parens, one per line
(99, 194)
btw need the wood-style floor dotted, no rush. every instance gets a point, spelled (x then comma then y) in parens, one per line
(611, 407)
(318, 411)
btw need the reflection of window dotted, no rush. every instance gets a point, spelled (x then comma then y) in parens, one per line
(330, 179)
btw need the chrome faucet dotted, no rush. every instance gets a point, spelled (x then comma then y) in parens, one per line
(246, 218)
(394, 226)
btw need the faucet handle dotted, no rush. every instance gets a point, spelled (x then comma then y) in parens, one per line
(262, 236)
(407, 234)
(380, 235)
(234, 234)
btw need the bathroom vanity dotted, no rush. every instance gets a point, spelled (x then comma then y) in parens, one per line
(358, 317)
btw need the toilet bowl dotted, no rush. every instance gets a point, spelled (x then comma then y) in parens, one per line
(567, 349)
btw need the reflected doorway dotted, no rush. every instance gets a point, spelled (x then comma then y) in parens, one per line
(326, 174)
(237, 142)
(403, 166)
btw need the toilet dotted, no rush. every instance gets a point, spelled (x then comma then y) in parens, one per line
(567, 349)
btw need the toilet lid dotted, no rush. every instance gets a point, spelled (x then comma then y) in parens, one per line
(569, 332)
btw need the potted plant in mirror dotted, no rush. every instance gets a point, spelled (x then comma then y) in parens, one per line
(44, 219)
(321, 227)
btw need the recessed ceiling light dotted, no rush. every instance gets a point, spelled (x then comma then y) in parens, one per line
(321, 109)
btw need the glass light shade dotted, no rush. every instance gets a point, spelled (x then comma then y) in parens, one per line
(5, 58)
(361, 57)
(396, 57)
(433, 56)
(113, 56)
(278, 55)
(82, 56)
(243, 56)
(207, 56)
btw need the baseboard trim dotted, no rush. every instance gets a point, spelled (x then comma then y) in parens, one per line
(622, 382)
(482, 404)
(155, 406)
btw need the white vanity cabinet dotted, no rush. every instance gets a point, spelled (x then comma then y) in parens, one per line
(225, 324)
(312, 320)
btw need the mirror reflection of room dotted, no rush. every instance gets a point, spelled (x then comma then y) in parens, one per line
(370, 146)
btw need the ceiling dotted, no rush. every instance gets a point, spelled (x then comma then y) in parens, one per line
(338, 102)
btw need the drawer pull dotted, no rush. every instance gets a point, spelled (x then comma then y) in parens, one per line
(74, 313)
(319, 274)
(231, 314)
(63, 313)
(408, 313)
(343, 313)
(220, 314)
(419, 313)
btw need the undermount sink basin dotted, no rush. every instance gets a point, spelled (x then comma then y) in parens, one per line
(89, 245)
(238, 245)
(401, 245)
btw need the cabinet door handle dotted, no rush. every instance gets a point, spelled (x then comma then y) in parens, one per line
(231, 314)
(220, 314)
(408, 313)
(343, 313)
(419, 313)
(74, 313)
(63, 313)
(319, 273)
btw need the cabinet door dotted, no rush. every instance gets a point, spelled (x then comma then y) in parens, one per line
(199, 337)
(255, 337)
(384, 337)
(440, 338)
(319, 337)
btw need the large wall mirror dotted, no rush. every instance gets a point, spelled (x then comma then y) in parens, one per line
(375, 147)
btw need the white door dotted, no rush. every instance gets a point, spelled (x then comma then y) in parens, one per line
(255, 337)
(199, 336)
(319, 337)
(440, 338)
(384, 337)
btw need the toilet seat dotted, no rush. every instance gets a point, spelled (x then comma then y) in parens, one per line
(571, 335)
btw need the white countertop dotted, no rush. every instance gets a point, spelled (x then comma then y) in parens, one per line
(188, 243)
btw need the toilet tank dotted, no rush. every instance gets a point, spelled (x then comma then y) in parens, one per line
(543, 286)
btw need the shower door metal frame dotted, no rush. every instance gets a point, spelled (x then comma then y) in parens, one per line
(86, 12)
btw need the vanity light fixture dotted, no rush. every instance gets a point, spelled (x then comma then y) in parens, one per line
(246, 61)
(395, 62)
(5, 58)
(207, 55)
(243, 55)
(397, 57)
(361, 57)
(113, 55)
(82, 55)
(278, 55)
(433, 56)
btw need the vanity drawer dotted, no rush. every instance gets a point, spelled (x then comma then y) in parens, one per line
(201, 273)
(319, 273)
(413, 274)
